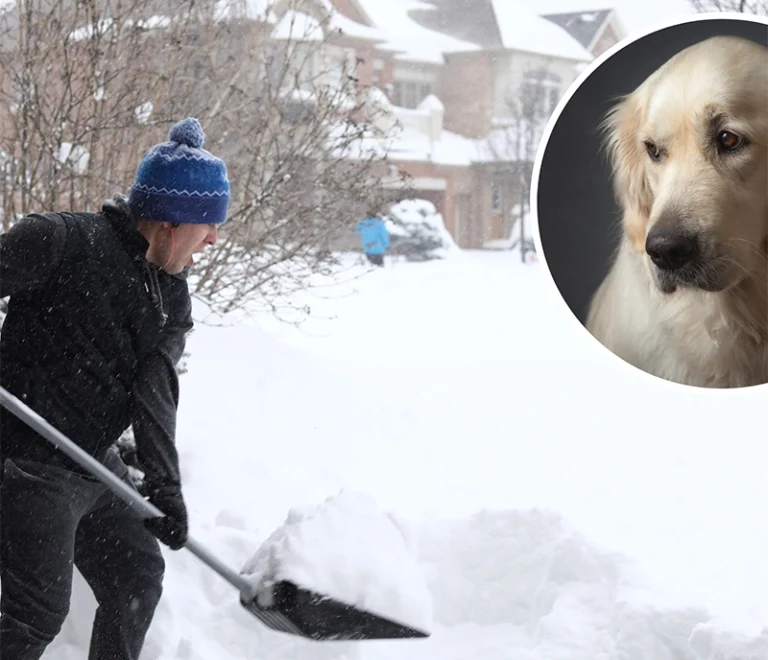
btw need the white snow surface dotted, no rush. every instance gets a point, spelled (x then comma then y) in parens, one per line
(350, 550)
(557, 504)
(522, 29)
(411, 41)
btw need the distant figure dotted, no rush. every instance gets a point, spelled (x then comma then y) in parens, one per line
(374, 238)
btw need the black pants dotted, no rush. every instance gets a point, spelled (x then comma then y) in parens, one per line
(51, 520)
(376, 259)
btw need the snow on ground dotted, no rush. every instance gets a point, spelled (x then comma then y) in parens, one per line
(560, 506)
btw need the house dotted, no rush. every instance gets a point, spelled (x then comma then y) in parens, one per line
(488, 74)
(469, 83)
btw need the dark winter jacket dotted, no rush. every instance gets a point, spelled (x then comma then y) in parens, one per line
(92, 337)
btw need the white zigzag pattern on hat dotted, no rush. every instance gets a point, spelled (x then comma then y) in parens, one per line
(185, 157)
(174, 191)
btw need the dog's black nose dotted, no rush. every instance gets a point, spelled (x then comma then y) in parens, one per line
(671, 249)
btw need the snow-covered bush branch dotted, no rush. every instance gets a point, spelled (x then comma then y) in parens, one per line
(88, 87)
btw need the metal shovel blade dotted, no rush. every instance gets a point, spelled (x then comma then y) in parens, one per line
(301, 612)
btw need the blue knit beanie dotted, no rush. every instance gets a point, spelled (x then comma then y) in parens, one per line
(179, 181)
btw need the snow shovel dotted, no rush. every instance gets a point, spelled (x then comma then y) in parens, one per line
(293, 610)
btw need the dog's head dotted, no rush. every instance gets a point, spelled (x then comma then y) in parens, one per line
(689, 152)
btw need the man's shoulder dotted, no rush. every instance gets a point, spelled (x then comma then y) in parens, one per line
(45, 230)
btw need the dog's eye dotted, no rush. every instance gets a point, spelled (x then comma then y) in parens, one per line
(653, 151)
(729, 141)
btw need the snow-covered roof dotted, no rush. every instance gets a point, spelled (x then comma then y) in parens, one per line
(298, 26)
(631, 15)
(520, 28)
(354, 29)
(411, 141)
(410, 144)
(255, 10)
(412, 42)
(585, 26)
(523, 29)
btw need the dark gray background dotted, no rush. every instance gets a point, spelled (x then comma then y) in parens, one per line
(579, 220)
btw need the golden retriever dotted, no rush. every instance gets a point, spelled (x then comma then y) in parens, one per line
(686, 298)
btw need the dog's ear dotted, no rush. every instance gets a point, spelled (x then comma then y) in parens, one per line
(620, 129)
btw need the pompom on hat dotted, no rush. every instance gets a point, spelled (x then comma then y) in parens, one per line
(180, 182)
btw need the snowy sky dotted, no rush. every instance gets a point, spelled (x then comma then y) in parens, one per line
(636, 15)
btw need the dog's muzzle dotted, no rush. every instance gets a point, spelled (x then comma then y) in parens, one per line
(681, 257)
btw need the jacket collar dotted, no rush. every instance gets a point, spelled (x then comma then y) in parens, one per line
(121, 218)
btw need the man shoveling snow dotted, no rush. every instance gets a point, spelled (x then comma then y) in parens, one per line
(97, 318)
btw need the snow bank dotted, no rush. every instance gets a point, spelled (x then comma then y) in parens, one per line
(437, 390)
(416, 228)
(349, 550)
(525, 585)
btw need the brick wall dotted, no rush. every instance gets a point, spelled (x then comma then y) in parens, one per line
(473, 185)
(466, 88)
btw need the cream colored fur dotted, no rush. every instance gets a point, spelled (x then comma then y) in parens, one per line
(692, 336)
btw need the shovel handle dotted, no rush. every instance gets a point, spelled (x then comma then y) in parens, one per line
(115, 484)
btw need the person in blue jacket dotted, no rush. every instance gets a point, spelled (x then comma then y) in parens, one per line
(374, 238)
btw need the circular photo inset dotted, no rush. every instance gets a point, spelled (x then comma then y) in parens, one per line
(650, 199)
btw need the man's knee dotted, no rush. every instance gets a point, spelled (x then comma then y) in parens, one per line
(149, 586)
(138, 589)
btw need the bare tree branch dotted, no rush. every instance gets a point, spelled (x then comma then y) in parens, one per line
(86, 86)
(756, 7)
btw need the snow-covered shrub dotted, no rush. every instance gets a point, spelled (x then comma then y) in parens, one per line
(417, 231)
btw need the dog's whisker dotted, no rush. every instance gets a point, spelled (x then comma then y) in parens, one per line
(762, 282)
(753, 247)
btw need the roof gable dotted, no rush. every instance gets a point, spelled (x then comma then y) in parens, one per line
(585, 26)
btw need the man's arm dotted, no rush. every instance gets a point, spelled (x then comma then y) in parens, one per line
(29, 252)
(155, 404)
(155, 396)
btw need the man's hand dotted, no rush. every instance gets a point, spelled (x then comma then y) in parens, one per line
(171, 529)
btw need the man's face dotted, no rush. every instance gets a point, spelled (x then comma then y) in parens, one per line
(182, 242)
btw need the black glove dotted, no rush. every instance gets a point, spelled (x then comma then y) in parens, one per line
(171, 528)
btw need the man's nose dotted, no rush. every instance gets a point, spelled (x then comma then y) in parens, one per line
(213, 236)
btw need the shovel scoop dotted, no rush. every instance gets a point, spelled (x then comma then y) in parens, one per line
(290, 608)
(306, 613)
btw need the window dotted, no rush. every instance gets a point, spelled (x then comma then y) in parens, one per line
(496, 197)
(378, 68)
(540, 93)
(407, 94)
(336, 71)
